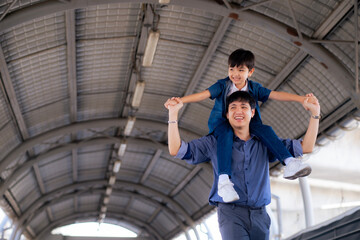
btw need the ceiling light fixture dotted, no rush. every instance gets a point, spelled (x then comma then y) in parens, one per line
(108, 190)
(117, 165)
(122, 148)
(129, 125)
(112, 180)
(138, 94)
(103, 209)
(164, 1)
(150, 48)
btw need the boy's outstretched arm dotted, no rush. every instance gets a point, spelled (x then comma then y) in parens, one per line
(174, 140)
(309, 140)
(196, 97)
(289, 97)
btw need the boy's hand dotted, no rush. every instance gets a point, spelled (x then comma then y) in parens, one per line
(171, 102)
(174, 104)
(311, 98)
(314, 106)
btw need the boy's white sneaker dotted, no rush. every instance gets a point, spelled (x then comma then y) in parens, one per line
(226, 189)
(296, 168)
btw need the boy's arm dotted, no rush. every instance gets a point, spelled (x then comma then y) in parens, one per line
(288, 97)
(196, 97)
(309, 140)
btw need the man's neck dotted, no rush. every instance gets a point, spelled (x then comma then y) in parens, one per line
(243, 134)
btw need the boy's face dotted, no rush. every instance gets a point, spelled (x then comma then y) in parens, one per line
(239, 74)
(239, 114)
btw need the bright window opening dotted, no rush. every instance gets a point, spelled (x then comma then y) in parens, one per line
(93, 229)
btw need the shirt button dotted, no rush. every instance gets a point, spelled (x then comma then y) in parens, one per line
(246, 169)
(247, 182)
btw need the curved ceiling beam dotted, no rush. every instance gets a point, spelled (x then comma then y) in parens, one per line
(84, 215)
(152, 192)
(327, 59)
(68, 147)
(25, 219)
(74, 128)
(88, 184)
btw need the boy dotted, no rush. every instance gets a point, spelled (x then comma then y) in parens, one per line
(241, 66)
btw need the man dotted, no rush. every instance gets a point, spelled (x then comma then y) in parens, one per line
(245, 218)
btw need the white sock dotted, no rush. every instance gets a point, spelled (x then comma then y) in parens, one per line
(288, 160)
(223, 178)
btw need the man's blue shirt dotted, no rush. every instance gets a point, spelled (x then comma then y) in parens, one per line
(219, 91)
(250, 166)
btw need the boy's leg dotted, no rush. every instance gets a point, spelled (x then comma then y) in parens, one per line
(294, 167)
(224, 136)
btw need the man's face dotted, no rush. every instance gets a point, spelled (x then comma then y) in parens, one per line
(240, 114)
(239, 74)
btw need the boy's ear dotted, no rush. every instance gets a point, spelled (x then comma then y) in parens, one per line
(251, 72)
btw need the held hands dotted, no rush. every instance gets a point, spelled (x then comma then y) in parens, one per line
(311, 104)
(171, 102)
(174, 104)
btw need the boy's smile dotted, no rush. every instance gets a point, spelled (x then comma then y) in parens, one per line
(239, 74)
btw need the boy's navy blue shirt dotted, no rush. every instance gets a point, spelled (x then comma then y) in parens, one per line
(219, 90)
(249, 170)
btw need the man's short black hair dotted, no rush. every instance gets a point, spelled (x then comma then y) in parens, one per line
(240, 96)
(242, 57)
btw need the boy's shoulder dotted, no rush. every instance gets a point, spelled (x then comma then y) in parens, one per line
(223, 81)
(254, 84)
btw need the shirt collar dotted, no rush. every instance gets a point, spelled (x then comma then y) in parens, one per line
(252, 136)
(245, 88)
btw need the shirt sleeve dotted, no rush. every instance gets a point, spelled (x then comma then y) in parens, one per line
(294, 147)
(197, 151)
(215, 90)
(263, 93)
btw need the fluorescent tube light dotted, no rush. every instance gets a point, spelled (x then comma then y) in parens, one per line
(103, 209)
(138, 94)
(108, 190)
(150, 48)
(164, 1)
(129, 125)
(117, 165)
(122, 148)
(112, 180)
(106, 200)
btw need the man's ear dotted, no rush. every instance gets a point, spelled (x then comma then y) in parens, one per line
(252, 113)
(227, 115)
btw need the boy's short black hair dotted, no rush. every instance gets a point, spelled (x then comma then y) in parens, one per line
(241, 57)
(240, 96)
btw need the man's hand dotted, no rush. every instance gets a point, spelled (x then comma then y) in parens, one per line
(311, 98)
(312, 104)
(174, 104)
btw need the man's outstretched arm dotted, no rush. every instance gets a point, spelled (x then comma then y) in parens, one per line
(309, 140)
(174, 140)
